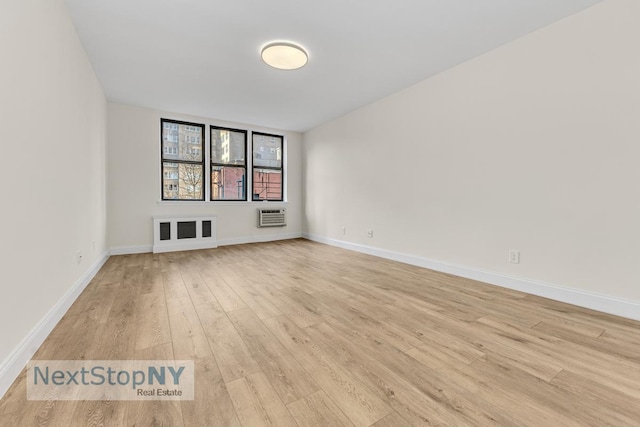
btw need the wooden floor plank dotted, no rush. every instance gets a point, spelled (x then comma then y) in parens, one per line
(359, 403)
(226, 296)
(155, 412)
(302, 314)
(99, 413)
(612, 371)
(290, 381)
(258, 303)
(345, 311)
(560, 407)
(197, 287)
(419, 395)
(243, 287)
(153, 321)
(601, 346)
(212, 406)
(257, 403)
(391, 420)
(230, 351)
(318, 409)
(188, 336)
(613, 407)
(299, 333)
(151, 280)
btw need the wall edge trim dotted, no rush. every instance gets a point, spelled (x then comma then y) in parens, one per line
(129, 250)
(14, 363)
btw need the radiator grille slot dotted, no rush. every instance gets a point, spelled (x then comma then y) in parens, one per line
(173, 233)
(272, 217)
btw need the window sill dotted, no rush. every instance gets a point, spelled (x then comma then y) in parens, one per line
(218, 203)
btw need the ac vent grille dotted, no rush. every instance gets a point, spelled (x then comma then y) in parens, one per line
(272, 217)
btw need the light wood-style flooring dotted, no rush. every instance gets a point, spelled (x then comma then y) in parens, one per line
(298, 333)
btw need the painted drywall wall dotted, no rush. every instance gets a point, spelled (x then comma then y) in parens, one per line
(134, 184)
(53, 174)
(531, 147)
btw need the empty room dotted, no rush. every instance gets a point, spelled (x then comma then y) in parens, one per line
(279, 213)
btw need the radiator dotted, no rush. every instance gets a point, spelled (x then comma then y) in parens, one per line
(272, 217)
(183, 233)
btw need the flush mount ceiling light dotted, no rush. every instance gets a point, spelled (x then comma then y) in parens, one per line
(284, 55)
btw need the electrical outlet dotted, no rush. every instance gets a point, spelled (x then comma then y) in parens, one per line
(370, 232)
(514, 257)
(344, 230)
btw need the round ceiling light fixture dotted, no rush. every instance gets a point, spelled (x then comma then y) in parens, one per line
(284, 55)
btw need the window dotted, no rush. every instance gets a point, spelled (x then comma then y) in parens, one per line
(184, 154)
(182, 160)
(228, 164)
(267, 167)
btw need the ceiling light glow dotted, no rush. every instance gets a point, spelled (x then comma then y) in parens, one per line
(284, 55)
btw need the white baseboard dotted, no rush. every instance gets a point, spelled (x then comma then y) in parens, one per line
(184, 246)
(258, 239)
(128, 250)
(604, 303)
(17, 360)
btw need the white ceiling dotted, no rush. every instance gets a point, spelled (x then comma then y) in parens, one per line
(202, 57)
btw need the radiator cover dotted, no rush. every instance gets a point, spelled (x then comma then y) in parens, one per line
(183, 233)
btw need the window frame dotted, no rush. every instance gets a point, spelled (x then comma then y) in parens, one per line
(281, 168)
(212, 164)
(164, 160)
(207, 164)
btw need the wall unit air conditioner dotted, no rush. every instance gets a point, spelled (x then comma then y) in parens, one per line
(272, 217)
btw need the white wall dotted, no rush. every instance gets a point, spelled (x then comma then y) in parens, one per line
(134, 184)
(533, 146)
(53, 172)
